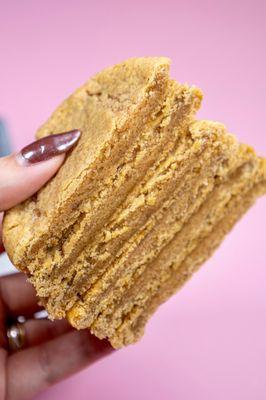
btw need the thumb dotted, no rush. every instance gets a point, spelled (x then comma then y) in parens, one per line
(22, 174)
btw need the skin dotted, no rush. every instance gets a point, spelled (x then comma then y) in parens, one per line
(53, 350)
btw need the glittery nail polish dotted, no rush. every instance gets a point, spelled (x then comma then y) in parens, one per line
(49, 146)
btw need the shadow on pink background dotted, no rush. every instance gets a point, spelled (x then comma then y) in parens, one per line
(208, 342)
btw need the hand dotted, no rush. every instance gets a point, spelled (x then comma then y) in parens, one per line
(53, 350)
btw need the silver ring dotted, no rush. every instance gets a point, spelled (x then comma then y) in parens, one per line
(16, 336)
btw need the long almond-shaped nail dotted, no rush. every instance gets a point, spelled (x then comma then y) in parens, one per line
(49, 146)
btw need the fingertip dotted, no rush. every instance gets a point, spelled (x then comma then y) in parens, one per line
(54, 161)
(20, 180)
(50, 146)
(23, 174)
(22, 162)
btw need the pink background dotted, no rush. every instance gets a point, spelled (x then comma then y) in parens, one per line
(208, 342)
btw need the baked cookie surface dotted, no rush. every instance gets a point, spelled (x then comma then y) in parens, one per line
(140, 203)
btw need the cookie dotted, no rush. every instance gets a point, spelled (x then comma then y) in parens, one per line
(141, 202)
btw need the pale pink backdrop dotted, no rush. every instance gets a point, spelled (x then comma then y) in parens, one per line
(208, 342)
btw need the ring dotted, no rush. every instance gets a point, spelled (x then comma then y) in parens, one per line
(16, 336)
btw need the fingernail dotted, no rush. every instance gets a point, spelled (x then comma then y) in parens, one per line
(49, 146)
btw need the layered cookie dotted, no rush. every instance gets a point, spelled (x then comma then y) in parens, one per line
(139, 204)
